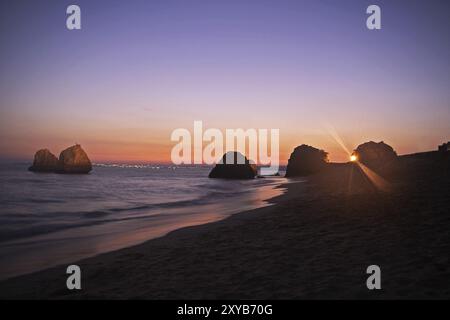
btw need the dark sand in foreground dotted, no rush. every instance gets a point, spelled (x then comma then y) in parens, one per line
(315, 242)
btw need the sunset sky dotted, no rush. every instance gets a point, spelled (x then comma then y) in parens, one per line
(137, 70)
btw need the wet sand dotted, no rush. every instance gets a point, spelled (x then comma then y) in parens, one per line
(315, 242)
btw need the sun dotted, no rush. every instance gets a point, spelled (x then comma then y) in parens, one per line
(353, 158)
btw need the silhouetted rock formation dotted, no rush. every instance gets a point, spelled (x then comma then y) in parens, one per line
(375, 155)
(306, 160)
(44, 161)
(445, 147)
(71, 160)
(74, 160)
(238, 167)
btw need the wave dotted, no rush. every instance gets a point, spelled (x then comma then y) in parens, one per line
(111, 196)
(7, 235)
(209, 197)
(46, 201)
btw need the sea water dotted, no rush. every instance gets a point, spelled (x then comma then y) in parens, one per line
(51, 219)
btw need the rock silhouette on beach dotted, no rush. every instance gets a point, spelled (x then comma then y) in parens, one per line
(234, 165)
(71, 160)
(44, 161)
(375, 155)
(74, 160)
(306, 160)
(444, 148)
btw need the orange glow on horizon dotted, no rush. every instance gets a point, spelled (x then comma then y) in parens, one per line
(143, 145)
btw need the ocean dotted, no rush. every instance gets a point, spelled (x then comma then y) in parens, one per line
(51, 219)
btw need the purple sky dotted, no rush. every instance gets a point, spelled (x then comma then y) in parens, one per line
(139, 69)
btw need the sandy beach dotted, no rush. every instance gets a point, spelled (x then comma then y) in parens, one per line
(314, 242)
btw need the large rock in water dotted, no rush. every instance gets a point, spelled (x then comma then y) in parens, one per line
(74, 160)
(237, 167)
(306, 160)
(44, 161)
(375, 155)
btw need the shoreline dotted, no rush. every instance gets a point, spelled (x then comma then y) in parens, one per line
(29, 255)
(314, 242)
(179, 232)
